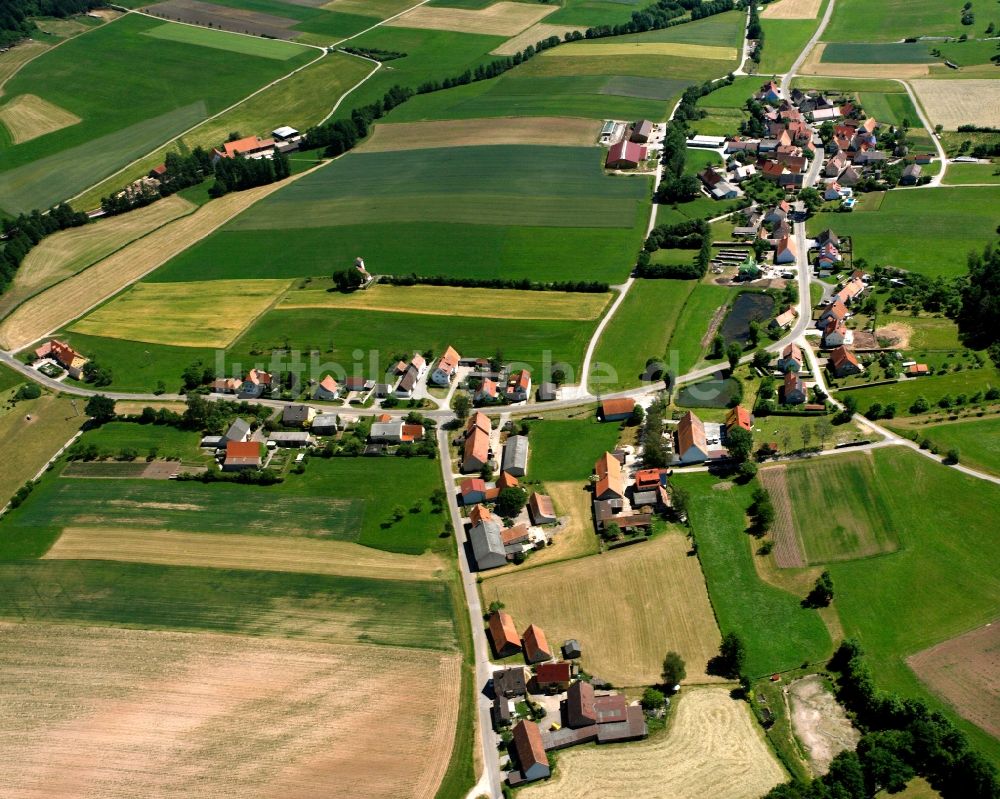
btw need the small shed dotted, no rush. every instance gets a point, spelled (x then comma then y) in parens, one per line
(571, 649)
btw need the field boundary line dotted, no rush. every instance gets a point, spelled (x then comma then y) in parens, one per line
(47, 464)
(180, 135)
(336, 105)
(30, 297)
(277, 185)
(380, 23)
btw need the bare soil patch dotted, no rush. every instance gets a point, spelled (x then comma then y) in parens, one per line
(533, 35)
(792, 9)
(787, 547)
(627, 608)
(114, 713)
(960, 102)
(27, 117)
(70, 299)
(132, 406)
(500, 19)
(965, 672)
(713, 326)
(820, 722)
(712, 748)
(897, 333)
(255, 552)
(566, 131)
(237, 20)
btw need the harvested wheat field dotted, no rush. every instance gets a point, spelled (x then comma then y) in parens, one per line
(965, 672)
(27, 117)
(712, 748)
(499, 19)
(792, 9)
(451, 300)
(94, 711)
(67, 252)
(627, 608)
(65, 302)
(254, 552)
(28, 444)
(787, 546)
(707, 51)
(564, 131)
(960, 102)
(125, 407)
(820, 723)
(533, 35)
(183, 314)
(16, 57)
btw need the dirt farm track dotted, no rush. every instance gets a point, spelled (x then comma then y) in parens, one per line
(105, 712)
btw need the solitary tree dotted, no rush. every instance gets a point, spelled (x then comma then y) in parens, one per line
(100, 408)
(653, 699)
(822, 593)
(511, 501)
(731, 658)
(761, 358)
(674, 670)
(461, 403)
(733, 353)
(739, 442)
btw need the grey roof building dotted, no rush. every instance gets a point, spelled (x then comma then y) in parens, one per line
(515, 456)
(546, 392)
(325, 424)
(297, 414)
(487, 545)
(239, 430)
(293, 439)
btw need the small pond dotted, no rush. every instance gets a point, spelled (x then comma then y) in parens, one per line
(748, 307)
(713, 393)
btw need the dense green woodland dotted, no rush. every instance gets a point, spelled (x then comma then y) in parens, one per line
(15, 15)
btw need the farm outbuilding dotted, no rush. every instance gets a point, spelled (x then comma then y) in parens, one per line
(625, 155)
(515, 456)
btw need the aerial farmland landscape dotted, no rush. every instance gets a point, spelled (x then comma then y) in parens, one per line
(472, 399)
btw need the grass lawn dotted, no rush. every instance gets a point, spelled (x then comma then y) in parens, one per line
(29, 444)
(566, 449)
(926, 332)
(892, 20)
(783, 41)
(304, 606)
(795, 432)
(931, 232)
(720, 30)
(125, 111)
(779, 633)
(169, 442)
(939, 584)
(341, 499)
(865, 53)
(702, 304)
(904, 392)
(977, 441)
(972, 173)
(641, 328)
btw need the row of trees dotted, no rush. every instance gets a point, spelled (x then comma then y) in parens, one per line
(26, 230)
(693, 234)
(902, 739)
(579, 286)
(15, 15)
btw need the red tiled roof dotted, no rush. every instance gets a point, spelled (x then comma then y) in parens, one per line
(690, 433)
(507, 480)
(553, 672)
(480, 420)
(480, 514)
(529, 746)
(502, 631)
(477, 446)
(249, 144)
(242, 452)
(535, 645)
(609, 476)
(841, 356)
(514, 535)
(412, 432)
(614, 407)
(473, 485)
(647, 478)
(627, 151)
(738, 416)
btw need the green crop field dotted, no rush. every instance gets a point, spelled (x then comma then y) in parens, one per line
(587, 13)
(939, 584)
(904, 392)
(977, 441)
(893, 20)
(831, 523)
(304, 606)
(864, 53)
(640, 329)
(892, 108)
(640, 65)
(501, 211)
(779, 633)
(564, 450)
(686, 348)
(972, 173)
(931, 232)
(341, 499)
(126, 111)
(234, 43)
(783, 41)
(721, 30)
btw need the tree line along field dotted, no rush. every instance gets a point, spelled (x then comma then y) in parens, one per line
(931, 232)
(977, 440)
(433, 212)
(125, 112)
(934, 388)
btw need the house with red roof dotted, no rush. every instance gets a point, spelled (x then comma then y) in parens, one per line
(241, 455)
(692, 445)
(794, 389)
(488, 392)
(247, 147)
(64, 355)
(843, 363)
(445, 368)
(625, 155)
(785, 251)
(518, 387)
(328, 389)
(531, 757)
(503, 634)
(472, 490)
(256, 383)
(791, 358)
(617, 410)
(739, 417)
(536, 647)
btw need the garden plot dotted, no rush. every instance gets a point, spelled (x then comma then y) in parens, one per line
(27, 117)
(499, 19)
